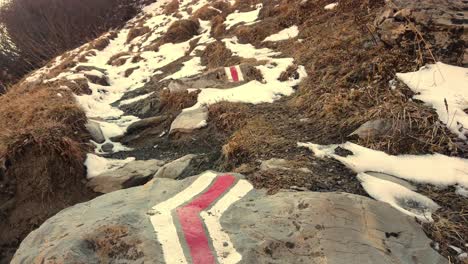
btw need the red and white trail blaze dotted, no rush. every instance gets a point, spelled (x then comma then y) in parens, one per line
(188, 224)
(234, 73)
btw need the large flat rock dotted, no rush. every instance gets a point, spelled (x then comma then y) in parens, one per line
(222, 218)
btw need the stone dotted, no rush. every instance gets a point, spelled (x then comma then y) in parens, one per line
(132, 174)
(174, 169)
(387, 177)
(144, 123)
(96, 132)
(107, 147)
(374, 128)
(281, 164)
(190, 120)
(216, 78)
(98, 79)
(288, 227)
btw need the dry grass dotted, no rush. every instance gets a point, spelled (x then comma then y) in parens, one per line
(136, 32)
(206, 12)
(42, 121)
(217, 55)
(171, 7)
(256, 137)
(181, 30)
(176, 101)
(119, 59)
(228, 117)
(450, 222)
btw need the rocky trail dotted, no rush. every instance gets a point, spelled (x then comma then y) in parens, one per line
(285, 131)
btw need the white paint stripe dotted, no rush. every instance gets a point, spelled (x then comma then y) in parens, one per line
(239, 73)
(225, 254)
(163, 222)
(228, 73)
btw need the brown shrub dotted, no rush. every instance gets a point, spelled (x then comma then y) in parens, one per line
(119, 59)
(42, 141)
(136, 32)
(218, 29)
(217, 55)
(255, 138)
(77, 86)
(171, 7)
(181, 30)
(228, 117)
(206, 12)
(129, 71)
(100, 43)
(176, 101)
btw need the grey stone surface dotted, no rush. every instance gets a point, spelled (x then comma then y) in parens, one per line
(174, 169)
(288, 227)
(387, 177)
(132, 174)
(147, 122)
(95, 130)
(282, 164)
(108, 147)
(215, 78)
(189, 120)
(374, 128)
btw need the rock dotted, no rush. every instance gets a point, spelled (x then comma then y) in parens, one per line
(374, 128)
(98, 79)
(393, 179)
(108, 147)
(242, 224)
(175, 168)
(280, 164)
(217, 78)
(85, 68)
(95, 130)
(134, 173)
(147, 122)
(189, 120)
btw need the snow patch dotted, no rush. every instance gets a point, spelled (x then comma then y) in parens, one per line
(246, 18)
(445, 88)
(97, 165)
(331, 6)
(284, 34)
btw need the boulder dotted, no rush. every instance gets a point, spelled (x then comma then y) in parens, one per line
(174, 169)
(222, 219)
(96, 132)
(374, 128)
(281, 164)
(108, 147)
(189, 120)
(218, 78)
(145, 123)
(132, 174)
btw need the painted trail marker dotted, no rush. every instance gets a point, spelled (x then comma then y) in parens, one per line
(188, 224)
(234, 73)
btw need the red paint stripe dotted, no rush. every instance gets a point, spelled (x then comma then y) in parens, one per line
(234, 74)
(192, 225)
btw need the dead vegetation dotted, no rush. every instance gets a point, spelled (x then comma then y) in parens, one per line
(181, 30)
(217, 55)
(176, 101)
(119, 59)
(252, 140)
(42, 142)
(136, 32)
(228, 117)
(171, 7)
(450, 222)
